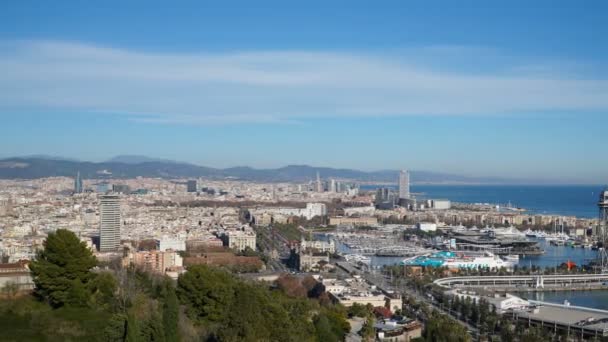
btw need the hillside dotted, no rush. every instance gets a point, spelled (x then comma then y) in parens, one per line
(125, 167)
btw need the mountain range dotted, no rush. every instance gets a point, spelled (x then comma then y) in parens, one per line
(129, 166)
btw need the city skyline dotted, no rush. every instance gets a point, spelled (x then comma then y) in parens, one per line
(480, 90)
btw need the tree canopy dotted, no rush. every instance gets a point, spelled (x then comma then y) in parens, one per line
(231, 309)
(62, 270)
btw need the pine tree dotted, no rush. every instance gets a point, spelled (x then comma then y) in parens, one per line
(61, 271)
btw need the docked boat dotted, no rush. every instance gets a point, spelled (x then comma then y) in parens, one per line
(509, 232)
(358, 258)
(512, 258)
(454, 260)
(530, 233)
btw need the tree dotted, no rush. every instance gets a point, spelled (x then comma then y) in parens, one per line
(10, 289)
(368, 332)
(442, 328)
(383, 312)
(506, 331)
(358, 310)
(323, 329)
(331, 325)
(170, 314)
(62, 269)
(103, 289)
(207, 293)
(291, 286)
(115, 331)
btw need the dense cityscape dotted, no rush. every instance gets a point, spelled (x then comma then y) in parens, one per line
(391, 258)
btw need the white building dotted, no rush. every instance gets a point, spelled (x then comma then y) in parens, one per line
(360, 211)
(172, 244)
(441, 204)
(508, 302)
(321, 246)
(311, 210)
(109, 223)
(239, 239)
(427, 227)
(314, 209)
(404, 184)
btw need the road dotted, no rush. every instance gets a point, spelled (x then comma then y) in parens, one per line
(386, 283)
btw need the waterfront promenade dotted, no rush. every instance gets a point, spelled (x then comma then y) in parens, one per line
(529, 282)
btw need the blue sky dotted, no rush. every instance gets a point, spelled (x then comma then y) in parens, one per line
(517, 89)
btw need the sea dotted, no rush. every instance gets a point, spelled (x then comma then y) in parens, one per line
(567, 200)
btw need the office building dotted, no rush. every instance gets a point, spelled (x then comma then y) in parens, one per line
(109, 223)
(103, 187)
(191, 186)
(121, 188)
(404, 184)
(384, 199)
(78, 184)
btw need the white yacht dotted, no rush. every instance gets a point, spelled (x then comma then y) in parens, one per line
(510, 232)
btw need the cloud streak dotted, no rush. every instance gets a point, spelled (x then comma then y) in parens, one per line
(273, 86)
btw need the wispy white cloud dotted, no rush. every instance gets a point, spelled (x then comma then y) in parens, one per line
(278, 86)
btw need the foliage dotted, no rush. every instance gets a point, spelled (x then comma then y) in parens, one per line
(331, 325)
(61, 270)
(441, 328)
(358, 310)
(230, 309)
(170, 313)
(367, 331)
(27, 319)
(289, 231)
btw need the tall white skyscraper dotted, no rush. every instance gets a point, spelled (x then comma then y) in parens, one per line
(404, 184)
(319, 184)
(109, 223)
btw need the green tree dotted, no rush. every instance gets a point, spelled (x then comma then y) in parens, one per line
(103, 288)
(323, 329)
(170, 314)
(368, 332)
(358, 310)
(207, 293)
(440, 328)
(115, 331)
(61, 271)
(506, 330)
(152, 329)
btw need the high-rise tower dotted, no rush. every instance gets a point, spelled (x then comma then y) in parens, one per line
(109, 223)
(602, 231)
(78, 184)
(404, 184)
(191, 186)
(319, 184)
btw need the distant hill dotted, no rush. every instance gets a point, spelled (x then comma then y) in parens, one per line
(136, 159)
(133, 166)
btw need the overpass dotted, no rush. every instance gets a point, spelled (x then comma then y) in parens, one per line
(540, 281)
